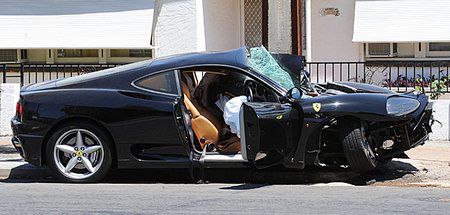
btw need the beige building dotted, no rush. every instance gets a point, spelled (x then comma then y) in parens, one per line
(75, 31)
(120, 31)
(377, 30)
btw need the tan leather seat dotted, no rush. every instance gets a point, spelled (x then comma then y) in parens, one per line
(206, 126)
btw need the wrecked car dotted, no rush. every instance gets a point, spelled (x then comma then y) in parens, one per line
(212, 110)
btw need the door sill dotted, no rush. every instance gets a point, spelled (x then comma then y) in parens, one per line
(230, 158)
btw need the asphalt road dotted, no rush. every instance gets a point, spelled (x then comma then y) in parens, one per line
(118, 198)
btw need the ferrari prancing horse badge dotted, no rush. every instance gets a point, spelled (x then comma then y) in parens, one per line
(316, 106)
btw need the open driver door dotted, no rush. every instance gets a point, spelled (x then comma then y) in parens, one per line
(268, 132)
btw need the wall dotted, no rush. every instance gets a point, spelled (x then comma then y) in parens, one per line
(196, 25)
(180, 26)
(280, 39)
(9, 95)
(329, 38)
(222, 20)
(405, 49)
(175, 27)
(76, 60)
(441, 131)
(36, 55)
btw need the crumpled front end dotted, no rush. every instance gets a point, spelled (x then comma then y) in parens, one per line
(391, 124)
(395, 138)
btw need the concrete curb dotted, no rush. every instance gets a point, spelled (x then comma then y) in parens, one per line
(22, 170)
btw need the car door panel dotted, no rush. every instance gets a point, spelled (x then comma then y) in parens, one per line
(270, 130)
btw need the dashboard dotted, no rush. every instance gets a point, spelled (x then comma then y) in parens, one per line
(236, 84)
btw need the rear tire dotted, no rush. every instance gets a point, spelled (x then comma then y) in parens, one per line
(79, 152)
(357, 150)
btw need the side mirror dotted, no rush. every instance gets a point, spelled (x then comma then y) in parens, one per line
(294, 93)
(306, 73)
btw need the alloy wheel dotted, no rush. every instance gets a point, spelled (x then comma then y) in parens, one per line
(78, 154)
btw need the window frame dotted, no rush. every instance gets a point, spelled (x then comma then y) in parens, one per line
(256, 76)
(133, 57)
(177, 82)
(16, 56)
(393, 51)
(141, 51)
(436, 53)
(81, 52)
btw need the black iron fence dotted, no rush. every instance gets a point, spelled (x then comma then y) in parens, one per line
(401, 76)
(34, 73)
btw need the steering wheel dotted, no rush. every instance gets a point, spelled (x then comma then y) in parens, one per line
(249, 92)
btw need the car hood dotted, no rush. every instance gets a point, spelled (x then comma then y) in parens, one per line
(354, 87)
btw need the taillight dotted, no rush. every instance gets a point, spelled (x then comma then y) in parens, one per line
(19, 109)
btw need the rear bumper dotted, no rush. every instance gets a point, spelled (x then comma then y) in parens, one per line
(29, 146)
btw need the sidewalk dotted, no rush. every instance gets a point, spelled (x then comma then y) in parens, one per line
(431, 151)
(13, 166)
(427, 166)
(7, 150)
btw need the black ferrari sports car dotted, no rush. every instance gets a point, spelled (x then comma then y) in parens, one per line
(211, 110)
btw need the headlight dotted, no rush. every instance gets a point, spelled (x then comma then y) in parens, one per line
(398, 106)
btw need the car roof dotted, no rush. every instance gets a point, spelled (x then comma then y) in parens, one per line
(234, 58)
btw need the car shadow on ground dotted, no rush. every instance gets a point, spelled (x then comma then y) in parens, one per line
(248, 178)
(390, 171)
(253, 179)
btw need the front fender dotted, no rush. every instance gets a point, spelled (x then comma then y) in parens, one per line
(362, 105)
(319, 110)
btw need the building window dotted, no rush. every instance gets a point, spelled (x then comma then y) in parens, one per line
(8, 55)
(438, 50)
(439, 47)
(255, 23)
(77, 53)
(23, 54)
(163, 82)
(381, 50)
(147, 53)
(140, 52)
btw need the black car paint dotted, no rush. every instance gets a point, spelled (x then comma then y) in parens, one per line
(272, 128)
(132, 116)
(348, 105)
(136, 117)
(128, 119)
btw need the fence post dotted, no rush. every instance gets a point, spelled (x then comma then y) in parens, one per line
(364, 72)
(21, 74)
(4, 73)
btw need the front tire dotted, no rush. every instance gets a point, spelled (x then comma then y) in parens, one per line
(79, 152)
(357, 150)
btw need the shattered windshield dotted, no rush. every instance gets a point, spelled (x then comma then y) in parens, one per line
(263, 62)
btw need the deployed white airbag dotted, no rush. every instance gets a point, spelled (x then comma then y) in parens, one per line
(231, 113)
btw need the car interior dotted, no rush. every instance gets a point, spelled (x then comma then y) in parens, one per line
(206, 91)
